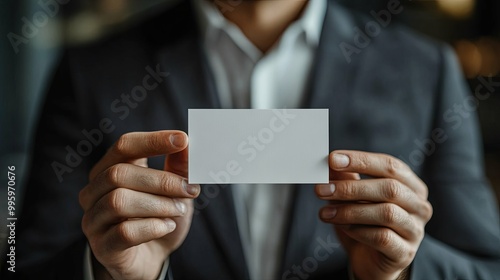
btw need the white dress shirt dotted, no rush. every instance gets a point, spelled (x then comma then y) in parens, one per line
(247, 78)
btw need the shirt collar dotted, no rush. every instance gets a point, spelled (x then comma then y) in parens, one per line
(212, 21)
(312, 20)
(209, 17)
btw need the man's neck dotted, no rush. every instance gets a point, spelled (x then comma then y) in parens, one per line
(263, 22)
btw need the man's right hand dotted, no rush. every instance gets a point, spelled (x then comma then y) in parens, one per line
(135, 217)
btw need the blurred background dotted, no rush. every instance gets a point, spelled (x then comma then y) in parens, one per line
(33, 33)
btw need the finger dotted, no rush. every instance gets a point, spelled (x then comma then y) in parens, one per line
(381, 214)
(375, 190)
(140, 162)
(178, 162)
(383, 240)
(136, 145)
(137, 178)
(124, 204)
(135, 232)
(339, 175)
(377, 165)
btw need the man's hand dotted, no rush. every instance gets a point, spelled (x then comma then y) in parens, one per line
(135, 217)
(380, 221)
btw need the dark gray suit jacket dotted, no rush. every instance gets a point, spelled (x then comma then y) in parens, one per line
(390, 98)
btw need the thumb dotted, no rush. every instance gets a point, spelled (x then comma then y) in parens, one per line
(178, 163)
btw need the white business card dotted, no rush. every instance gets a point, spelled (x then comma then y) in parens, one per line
(253, 146)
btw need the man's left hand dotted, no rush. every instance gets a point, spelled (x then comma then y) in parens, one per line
(380, 221)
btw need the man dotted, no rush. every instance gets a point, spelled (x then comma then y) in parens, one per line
(140, 220)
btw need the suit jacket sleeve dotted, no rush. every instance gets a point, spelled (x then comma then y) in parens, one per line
(463, 236)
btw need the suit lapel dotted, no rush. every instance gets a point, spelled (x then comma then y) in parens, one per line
(191, 85)
(302, 225)
(333, 77)
(220, 216)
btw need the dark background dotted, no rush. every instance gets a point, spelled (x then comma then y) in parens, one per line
(472, 27)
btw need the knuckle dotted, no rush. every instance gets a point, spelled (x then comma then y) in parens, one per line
(348, 190)
(383, 238)
(392, 190)
(418, 231)
(156, 229)
(347, 214)
(405, 254)
(410, 255)
(402, 254)
(427, 210)
(125, 234)
(389, 214)
(363, 161)
(114, 173)
(425, 193)
(117, 201)
(394, 166)
(167, 183)
(122, 144)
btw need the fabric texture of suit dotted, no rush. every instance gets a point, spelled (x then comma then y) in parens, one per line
(397, 90)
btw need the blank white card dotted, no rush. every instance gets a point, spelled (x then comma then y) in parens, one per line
(252, 146)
